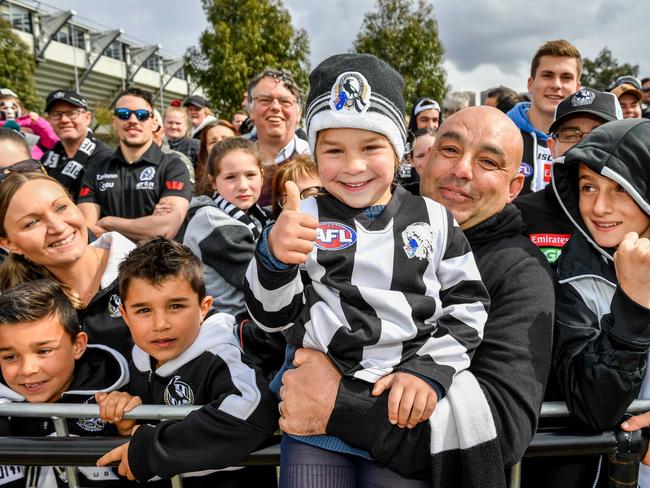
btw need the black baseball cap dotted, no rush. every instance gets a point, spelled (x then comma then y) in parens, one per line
(587, 101)
(73, 98)
(197, 101)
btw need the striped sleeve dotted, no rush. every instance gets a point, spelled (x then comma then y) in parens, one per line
(465, 304)
(274, 297)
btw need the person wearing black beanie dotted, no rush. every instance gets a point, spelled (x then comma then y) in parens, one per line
(392, 293)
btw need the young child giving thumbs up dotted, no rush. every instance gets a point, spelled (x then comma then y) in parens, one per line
(385, 269)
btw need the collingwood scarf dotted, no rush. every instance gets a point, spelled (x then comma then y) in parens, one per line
(256, 218)
(69, 171)
(464, 447)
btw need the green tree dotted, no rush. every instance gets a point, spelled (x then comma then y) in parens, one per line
(405, 35)
(601, 72)
(17, 68)
(244, 37)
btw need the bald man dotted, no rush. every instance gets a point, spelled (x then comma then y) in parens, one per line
(473, 170)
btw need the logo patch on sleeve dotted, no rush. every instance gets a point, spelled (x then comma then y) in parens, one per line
(332, 236)
(174, 185)
(418, 241)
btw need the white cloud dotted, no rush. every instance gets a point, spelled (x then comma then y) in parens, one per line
(487, 43)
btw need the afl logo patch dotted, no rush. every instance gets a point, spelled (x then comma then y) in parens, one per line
(113, 306)
(178, 392)
(525, 169)
(332, 236)
(350, 93)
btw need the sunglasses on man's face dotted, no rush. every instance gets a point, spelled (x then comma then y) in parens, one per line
(125, 114)
(26, 166)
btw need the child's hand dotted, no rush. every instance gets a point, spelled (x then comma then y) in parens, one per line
(112, 407)
(119, 454)
(292, 237)
(411, 400)
(632, 263)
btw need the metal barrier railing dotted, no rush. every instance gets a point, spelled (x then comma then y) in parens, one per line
(84, 451)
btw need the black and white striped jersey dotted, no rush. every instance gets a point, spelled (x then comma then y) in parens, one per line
(401, 292)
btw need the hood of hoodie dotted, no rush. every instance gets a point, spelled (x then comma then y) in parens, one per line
(618, 150)
(99, 369)
(216, 332)
(519, 115)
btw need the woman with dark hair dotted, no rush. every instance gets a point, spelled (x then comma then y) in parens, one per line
(47, 237)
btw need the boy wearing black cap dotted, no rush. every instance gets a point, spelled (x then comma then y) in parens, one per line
(576, 116)
(77, 148)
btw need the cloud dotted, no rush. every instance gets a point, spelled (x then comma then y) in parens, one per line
(487, 43)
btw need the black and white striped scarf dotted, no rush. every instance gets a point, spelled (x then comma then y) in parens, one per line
(256, 219)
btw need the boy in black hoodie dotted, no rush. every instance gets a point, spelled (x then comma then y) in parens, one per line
(183, 358)
(45, 358)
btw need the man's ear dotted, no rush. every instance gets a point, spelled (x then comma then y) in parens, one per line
(550, 143)
(516, 185)
(529, 84)
(79, 345)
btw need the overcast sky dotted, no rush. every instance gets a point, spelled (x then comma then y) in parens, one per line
(486, 43)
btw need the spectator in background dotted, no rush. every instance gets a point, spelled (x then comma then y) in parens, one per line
(213, 132)
(628, 91)
(175, 125)
(454, 101)
(503, 98)
(77, 148)
(157, 130)
(554, 74)
(420, 142)
(424, 115)
(303, 172)
(122, 192)
(238, 118)
(199, 113)
(275, 102)
(645, 88)
(38, 132)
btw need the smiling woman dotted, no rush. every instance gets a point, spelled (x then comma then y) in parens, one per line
(47, 237)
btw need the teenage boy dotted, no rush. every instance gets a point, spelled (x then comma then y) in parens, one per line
(180, 359)
(45, 358)
(554, 74)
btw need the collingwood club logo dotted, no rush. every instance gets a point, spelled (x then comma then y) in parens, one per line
(178, 392)
(583, 97)
(350, 93)
(418, 241)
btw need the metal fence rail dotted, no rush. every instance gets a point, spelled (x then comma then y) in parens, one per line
(84, 451)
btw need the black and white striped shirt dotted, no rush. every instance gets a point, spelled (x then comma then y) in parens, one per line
(401, 292)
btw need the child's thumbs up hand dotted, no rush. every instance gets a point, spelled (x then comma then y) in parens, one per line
(292, 237)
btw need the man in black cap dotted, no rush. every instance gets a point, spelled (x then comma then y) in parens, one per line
(577, 115)
(77, 148)
(199, 113)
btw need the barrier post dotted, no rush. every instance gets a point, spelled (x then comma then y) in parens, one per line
(61, 428)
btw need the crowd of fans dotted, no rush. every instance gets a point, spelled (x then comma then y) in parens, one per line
(397, 295)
